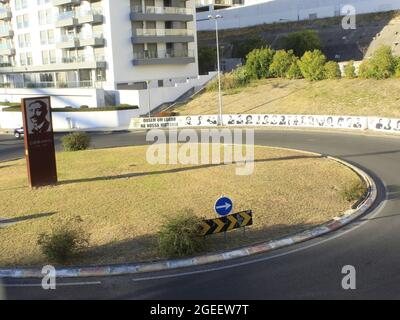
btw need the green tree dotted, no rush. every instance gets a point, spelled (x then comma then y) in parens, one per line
(240, 48)
(332, 70)
(312, 65)
(302, 41)
(350, 70)
(281, 63)
(258, 62)
(207, 59)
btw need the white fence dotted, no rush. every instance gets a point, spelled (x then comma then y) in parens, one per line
(271, 120)
(256, 12)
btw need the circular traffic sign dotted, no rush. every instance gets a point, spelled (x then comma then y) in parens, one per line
(223, 206)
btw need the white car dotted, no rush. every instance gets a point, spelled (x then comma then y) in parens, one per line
(18, 133)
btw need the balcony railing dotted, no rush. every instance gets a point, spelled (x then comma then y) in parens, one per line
(163, 32)
(165, 54)
(162, 10)
(77, 14)
(81, 59)
(51, 84)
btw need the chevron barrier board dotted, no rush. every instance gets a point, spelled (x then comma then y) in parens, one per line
(228, 223)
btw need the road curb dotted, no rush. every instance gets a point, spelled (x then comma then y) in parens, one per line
(113, 270)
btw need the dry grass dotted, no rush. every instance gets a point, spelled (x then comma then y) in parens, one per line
(123, 203)
(333, 97)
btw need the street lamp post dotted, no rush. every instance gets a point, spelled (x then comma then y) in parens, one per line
(148, 97)
(215, 18)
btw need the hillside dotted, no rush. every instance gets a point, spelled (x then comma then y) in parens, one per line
(338, 44)
(334, 97)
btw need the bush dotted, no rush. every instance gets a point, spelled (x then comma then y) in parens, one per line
(332, 70)
(258, 62)
(181, 236)
(312, 65)
(381, 65)
(294, 71)
(302, 41)
(397, 67)
(75, 141)
(281, 63)
(241, 76)
(65, 241)
(354, 191)
(350, 70)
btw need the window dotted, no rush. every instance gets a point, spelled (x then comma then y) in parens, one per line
(21, 4)
(23, 21)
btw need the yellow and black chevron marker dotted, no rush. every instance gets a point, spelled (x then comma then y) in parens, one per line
(228, 223)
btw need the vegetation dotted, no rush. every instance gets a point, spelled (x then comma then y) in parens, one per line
(240, 48)
(258, 63)
(294, 71)
(207, 59)
(66, 240)
(281, 63)
(76, 141)
(312, 65)
(124, 201)
(381, 65)
(354, 191)
(332, 70)
(302, 41)
(181, 236)
(350, 70)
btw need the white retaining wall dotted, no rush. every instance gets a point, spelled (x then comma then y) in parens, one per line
(60, 98)
(64, 121)
(256, 12)
(161, 95)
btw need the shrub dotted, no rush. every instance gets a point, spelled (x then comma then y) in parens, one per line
(350, 70)
(84, 107)
(65, 241)
(294, 71)
(332, 70)
(397, 67)
(312, 65)
(75, 141)
(281, 63)
(354, 191)
(241, 75)
(181, 236)
(258, 63)
(167, 114)
(302, 41)
(381, 65)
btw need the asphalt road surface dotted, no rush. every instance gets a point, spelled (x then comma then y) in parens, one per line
(311, 270)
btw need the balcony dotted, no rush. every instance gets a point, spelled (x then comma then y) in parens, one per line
(163, 35)
(67, 41)
(93, 40)
(51, 84)
(6, 32)
(7, 50)
(90, 16)
(5, 13)
(57, 3)
(66, 19)
(162, 14)
(63, 64)
(163, 57)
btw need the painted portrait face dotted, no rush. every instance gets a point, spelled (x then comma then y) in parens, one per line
(37, 112)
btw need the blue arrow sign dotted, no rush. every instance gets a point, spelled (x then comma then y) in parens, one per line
(223, 206)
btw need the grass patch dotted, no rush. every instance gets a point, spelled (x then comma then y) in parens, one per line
(354, 191)
(280, 96)
(124, 201)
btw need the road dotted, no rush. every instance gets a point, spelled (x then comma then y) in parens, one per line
(311, 270)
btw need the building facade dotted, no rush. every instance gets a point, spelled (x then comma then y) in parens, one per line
(107, 44)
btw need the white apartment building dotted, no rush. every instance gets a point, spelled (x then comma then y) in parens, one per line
(102, 44)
